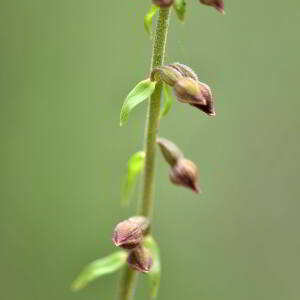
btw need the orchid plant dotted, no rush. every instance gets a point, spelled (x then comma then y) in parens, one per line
(139, 252)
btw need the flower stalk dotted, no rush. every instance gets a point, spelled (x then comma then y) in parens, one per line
(146, 207)
(152, 121)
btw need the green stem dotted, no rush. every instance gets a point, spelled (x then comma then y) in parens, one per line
(152, 123)
(128, 284)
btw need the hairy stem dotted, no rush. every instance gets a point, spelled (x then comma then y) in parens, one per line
(152, 121)
(130, 277)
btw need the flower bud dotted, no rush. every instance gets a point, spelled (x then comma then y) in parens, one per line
(167, 74)
(188, 90)
(184, 70)
(169, 150)
(184, 173)
(186, 85)
(129, 233)
(142, 222)
(140, 259)
(162, 3)
(217, 4)
(207, 108)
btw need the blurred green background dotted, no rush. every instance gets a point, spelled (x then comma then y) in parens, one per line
(65, 69)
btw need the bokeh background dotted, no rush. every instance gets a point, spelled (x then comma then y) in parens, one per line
(66, 67)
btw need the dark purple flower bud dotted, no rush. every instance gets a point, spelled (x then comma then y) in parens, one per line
(129, 233)
(140, 259)
(217, 4)
(184, 173)
(207, 108)
(162, 3)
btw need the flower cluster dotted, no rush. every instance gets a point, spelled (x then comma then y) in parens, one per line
(129, 235)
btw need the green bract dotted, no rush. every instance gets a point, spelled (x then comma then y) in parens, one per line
(141, 92)
(134, 167)
(155, 272)
(100, 267)
(167, 100)
(180, 8)
(148, 19)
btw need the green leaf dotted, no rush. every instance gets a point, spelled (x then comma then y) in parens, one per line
(167, 100)
(100, 267)
(148, 19)
(155, 272)
(141, 91)
(180, 9)
(134, 167)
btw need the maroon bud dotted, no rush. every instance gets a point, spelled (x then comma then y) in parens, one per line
(217, 4)
(162, 3)
(142, 222)
(140, 259)
(186, 86)
(184, 173)
(129, 233)
(208, 107)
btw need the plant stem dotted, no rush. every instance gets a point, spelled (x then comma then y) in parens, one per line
(128, 284)
(130, 277)
(152, 121)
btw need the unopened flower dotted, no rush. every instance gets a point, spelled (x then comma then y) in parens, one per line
(217, 4)
(129, 233)
(186, 86)
(140, 259)
(162, 3)
(184, 70)
(184, 173)
(169, 150)
(167, 73)
(142, 222)
(188, 90)
(208, 107)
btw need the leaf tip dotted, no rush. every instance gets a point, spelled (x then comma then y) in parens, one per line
(76, 286)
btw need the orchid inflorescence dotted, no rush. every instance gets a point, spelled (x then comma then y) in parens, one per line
(137, 247)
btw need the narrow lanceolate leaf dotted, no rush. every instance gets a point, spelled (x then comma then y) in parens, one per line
(100, 267)
(167, 100)
(148, 19)
(134, 167)
(155, 272)
(180, 9)
(141, 92)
